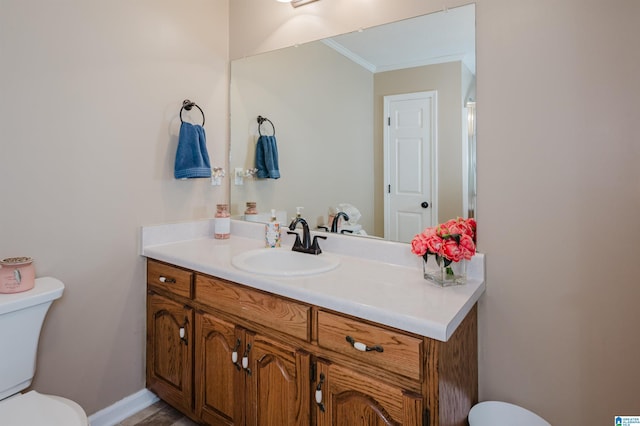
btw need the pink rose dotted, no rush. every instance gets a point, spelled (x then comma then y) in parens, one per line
(428, 232)
(457, 228)
(434, 244)
(418, 245)
(471, 223)
(442, 230)
(451, 250)
(467, 247)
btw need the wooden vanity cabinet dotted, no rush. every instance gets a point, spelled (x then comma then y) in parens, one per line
(219, 378)
(345, 397)
(349, 397)
(170, 351)
(170, 335)
(227, 354)
(277, 383)
(245, 378)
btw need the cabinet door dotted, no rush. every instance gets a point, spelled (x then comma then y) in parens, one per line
(277, 383)
(344, 398)
(219, 378)
(169, 351)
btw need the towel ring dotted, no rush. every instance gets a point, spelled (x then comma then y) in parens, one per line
(187, 104)
(261, 120)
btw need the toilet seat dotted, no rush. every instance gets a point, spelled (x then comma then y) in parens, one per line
(497, 413)
(36, 409)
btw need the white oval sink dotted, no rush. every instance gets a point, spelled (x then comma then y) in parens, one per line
(284, 262)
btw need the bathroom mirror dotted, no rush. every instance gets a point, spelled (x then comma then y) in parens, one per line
(328, 104)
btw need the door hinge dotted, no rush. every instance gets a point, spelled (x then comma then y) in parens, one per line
(389, 121)
(313, 371)
(388, 189)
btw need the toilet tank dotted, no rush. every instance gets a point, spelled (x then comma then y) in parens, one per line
(21, 319)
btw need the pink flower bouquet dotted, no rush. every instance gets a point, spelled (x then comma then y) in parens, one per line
(451, 241)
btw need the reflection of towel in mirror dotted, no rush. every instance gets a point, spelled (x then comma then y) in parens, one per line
(267, 157)
(192, 158)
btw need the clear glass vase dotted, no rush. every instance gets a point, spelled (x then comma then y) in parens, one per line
(455, 273)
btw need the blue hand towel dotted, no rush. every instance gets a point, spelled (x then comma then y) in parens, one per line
(192, 158)
(267, 157)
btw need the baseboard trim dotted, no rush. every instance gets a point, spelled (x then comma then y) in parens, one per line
(124, 408)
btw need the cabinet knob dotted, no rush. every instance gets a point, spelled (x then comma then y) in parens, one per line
(166, 280)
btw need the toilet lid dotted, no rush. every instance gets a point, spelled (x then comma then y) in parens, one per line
(34, 409)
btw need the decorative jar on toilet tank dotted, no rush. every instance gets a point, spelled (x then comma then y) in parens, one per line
(16, 274)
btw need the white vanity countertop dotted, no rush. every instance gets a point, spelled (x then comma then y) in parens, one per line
(391, 292)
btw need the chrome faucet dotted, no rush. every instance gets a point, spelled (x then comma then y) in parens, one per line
(304, 246)
(336, 220)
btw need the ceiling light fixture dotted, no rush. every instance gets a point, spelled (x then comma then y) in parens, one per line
(296, 3)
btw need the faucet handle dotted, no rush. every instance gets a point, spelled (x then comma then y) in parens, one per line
(315, 248)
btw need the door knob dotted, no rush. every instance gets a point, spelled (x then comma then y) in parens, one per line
(424, 205)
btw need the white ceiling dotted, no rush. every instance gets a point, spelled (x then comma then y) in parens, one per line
(430, 39)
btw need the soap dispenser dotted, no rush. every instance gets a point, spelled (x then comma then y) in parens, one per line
(272, 232)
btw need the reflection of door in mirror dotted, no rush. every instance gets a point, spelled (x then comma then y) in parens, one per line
(410, 164)
(326, 100)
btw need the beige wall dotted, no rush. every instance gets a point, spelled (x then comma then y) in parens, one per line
(89, 100)
(557, 189)
(558, 159)
(329, 144)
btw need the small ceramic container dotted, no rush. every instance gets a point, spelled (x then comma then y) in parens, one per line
(17, 274)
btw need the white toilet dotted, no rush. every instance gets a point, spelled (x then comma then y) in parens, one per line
(496, 413)
(21, 319)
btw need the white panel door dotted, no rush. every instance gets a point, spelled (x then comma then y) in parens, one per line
(410, 164)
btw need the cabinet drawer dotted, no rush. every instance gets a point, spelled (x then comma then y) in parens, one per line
(171, 278)
(397, 352)
(272, 311)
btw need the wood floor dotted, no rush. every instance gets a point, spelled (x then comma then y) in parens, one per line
(158, 414)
